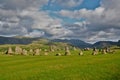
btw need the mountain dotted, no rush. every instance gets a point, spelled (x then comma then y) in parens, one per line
(25, 40)
(16, 40)
(118, 43)
(102, 44)
(74, 42)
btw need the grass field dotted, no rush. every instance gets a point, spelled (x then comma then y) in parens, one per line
(87, 67)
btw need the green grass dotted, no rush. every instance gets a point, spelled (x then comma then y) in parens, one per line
(87, 67)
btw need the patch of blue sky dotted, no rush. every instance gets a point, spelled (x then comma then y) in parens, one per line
(88, 4)
(66, 20)
(52, 7)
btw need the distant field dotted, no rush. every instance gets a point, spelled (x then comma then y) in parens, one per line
(87, 67)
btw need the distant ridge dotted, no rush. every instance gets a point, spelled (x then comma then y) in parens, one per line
(15, 40)
(74, 42)
(102, 44)
(27, 40)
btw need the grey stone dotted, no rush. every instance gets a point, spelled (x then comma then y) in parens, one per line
(9, 51)
(58, 54)
(37, 52)
(81, 53)
(18, 50)
(67, 52)
(24, 52)
(104, 51)
(45, 53)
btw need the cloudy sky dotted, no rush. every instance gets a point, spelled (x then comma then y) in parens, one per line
(88, 20)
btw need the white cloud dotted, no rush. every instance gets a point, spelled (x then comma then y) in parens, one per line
(24, 18)
(58, 31)
(66, 3)
(101, 20)
(83, 13)
(35, 33)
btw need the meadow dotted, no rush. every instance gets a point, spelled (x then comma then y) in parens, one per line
(74, 67)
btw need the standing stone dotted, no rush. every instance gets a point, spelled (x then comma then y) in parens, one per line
(74, 48)
(107, 49)
(94, 51)
(104, 51)
(66, 48)
(24, 52)
(45, 53)
(37, 52)
(18, 50)
(9, 51)
(81, 53)
(51, 49)
(67, 52)
(31, 52)
(58, 54)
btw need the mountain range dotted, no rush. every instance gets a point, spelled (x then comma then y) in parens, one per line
(74, 42)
